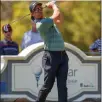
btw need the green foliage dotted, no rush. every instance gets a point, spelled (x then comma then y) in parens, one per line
(81, 25)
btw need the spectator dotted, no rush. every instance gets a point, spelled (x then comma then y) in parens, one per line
(96, 46)
(31, 37)
(8, 46)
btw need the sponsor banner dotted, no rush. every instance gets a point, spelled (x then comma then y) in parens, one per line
(26, 75)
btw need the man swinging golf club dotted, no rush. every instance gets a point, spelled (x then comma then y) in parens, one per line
(55, 59)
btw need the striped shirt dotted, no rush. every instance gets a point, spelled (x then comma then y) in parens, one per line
(53, 40)
(8, 48)
(30, 38)
(96, 45)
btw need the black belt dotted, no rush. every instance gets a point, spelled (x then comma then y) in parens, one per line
(60, 52)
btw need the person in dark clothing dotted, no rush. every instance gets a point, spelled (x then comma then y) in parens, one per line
(96, 46)
(7, 46)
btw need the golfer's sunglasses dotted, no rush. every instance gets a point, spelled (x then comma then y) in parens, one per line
(38, 9)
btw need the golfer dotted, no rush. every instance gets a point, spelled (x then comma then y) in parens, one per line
(55, 59)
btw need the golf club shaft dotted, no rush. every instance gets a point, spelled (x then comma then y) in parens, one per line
(19, 18)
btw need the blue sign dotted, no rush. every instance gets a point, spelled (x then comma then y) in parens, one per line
(3, 87)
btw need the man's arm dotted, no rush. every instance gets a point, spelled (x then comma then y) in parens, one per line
(93, 47)
(56, 16)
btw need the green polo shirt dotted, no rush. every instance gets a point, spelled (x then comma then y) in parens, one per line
(53, 40)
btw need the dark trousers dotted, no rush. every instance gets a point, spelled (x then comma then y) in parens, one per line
(55, 64)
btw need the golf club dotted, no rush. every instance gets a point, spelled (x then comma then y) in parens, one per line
(44, 6)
